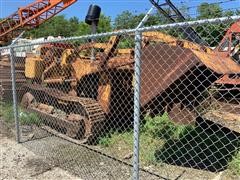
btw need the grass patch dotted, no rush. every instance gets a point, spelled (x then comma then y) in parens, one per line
(153, 134)
(7, 112)
(25, 118)
(162, 140)
(121, 145)
(234, 165)
(113, 138)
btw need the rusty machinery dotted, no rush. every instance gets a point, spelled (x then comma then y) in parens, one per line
(86, 91)
(28, 17)
(76, 96)
(223, 60)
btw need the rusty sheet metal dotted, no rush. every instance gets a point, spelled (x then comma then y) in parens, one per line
(161, 66)
(19, 62)
(212, 59)
(225, 119)
(219, 64)
(121, 61)
(228, 80)
(173, 41)
(181, 114)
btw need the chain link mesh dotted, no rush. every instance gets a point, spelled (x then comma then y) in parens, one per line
(76, 101)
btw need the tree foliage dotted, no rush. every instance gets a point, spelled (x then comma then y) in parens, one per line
(61, 26)
(207, 10)
(212, 33)
(57, 26)
(127, 20)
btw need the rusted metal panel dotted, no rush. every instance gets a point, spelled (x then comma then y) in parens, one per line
(214, 59)
(219, 64)
(161, 66)
(182, 115)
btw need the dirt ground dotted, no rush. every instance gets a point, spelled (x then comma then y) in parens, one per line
(17, 162)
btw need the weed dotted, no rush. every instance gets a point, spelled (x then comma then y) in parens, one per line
(234, 165)
(161, 140)
(7, 112)
(25, 118)
(112, 138)
(105, 141)
(148, 146)
(29, 118)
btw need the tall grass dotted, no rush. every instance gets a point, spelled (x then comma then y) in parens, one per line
(25, 117)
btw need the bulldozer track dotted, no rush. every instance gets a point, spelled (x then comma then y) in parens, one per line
(90, 116)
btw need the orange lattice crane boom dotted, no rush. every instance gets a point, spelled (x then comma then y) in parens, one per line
(31, 16)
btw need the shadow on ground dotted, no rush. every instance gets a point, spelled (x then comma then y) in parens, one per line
(207, 147)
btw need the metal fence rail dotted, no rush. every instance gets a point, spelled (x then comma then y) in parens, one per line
(151, 105)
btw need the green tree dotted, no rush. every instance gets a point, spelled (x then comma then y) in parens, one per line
(73, 24)
(207, 10)
(124, 20)
(83, 29)
(127, 20)
(60, 26)
(211, 33)
(237, 12)
(104, 25)
(57, 26)
(228, 13)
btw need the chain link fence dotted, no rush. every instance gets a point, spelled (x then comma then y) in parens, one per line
(158, 102)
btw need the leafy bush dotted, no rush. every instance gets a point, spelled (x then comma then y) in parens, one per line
(163, 127)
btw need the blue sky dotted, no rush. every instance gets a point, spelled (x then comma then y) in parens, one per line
(109, 7)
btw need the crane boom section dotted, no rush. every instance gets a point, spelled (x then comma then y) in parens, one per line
(31, 16)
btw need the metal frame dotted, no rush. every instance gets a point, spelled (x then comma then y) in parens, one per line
(31, 16)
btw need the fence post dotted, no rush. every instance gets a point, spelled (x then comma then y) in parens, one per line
(14, 93)
(137, 88)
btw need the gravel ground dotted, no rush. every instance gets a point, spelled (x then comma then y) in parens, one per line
(48, 157)
(44, 156)
(17, 162)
